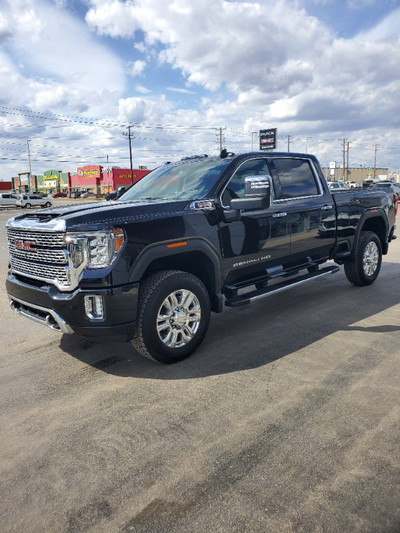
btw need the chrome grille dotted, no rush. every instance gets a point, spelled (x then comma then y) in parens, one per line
(39, 255)
(40, 271)
(50, 240)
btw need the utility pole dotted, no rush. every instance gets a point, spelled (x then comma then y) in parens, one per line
(29, 156)
(30, 167)
(130, 149)
(221, 138)
(307, 139)
(375, 150)
(347, 161)
(288, 142)
(343, 142)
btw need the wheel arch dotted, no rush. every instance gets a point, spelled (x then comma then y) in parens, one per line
(196, 256)
(377, 223)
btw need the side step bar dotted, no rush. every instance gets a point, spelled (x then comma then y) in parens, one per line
(237, 301)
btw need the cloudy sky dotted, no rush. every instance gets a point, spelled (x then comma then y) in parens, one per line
(187, 75)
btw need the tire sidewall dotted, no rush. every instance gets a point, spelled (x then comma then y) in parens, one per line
(365, 240)
(152, 341)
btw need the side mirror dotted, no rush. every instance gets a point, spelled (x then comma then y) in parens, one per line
(257, 194)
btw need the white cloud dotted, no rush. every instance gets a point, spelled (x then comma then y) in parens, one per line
(115, 18)
(151, 110)
(142, 89)
(279, 59)
(259, 64)
(386, 29)
(55, 57)
(180, 90)
(136, 68)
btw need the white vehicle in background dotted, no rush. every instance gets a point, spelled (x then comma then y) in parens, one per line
(337, 185)
(8, 198)
(33, 200)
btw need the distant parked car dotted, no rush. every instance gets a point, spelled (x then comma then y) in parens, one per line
(114, 195)
(8, 198)
(390, 187)
(33, 200)
(87, 194)
(336, 185)
(59, 195)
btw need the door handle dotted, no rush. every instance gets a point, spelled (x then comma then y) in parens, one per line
(326, 207)
(279, 215)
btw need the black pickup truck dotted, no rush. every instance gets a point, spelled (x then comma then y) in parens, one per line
(189, 238)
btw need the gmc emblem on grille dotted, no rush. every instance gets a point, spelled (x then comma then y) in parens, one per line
(24, 245)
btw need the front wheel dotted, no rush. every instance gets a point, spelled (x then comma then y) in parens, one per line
(173, 316)
(365, 267)
(47, 204)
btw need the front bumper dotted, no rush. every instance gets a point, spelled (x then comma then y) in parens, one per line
(65, 312)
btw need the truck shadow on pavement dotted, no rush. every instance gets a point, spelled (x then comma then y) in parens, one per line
(252, 336)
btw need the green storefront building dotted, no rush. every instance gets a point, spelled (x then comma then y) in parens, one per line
(50, 182)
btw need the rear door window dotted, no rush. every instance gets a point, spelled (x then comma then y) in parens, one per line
(295, 179)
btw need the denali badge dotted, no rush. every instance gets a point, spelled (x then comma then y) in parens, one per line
(24, 245)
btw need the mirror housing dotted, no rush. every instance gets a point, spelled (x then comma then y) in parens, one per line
(257, 194)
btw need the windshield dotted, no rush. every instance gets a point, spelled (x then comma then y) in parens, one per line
(180, 181)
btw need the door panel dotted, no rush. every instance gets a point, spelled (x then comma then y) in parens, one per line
(300, 193)
(260, 239)
(290, 232)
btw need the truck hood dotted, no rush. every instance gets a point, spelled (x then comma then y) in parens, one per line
(96, 215)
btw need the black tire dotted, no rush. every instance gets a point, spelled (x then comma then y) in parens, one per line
(365, 267)
(28, 206)
(173, 316)
(47, 204)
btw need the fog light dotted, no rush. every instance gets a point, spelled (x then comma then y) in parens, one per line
(94, 307)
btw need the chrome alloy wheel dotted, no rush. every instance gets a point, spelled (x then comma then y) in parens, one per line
(370, 258)
(178, 318)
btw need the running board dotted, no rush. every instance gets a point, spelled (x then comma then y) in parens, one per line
(249, 297)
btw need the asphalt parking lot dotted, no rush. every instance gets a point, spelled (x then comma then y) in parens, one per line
(287, 419)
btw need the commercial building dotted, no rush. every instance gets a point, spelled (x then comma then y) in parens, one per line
(356, 175)
(5, 186)
(89, 178)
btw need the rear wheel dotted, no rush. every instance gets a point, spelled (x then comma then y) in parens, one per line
(365, 267)
(173, 316)
(28, 206)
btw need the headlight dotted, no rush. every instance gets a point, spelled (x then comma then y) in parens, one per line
(97, 249)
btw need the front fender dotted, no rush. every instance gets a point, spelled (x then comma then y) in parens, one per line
(175, 251)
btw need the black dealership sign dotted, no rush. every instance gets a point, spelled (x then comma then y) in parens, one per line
(268, 139)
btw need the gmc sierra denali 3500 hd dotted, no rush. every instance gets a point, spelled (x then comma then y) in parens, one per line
(189, 238)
